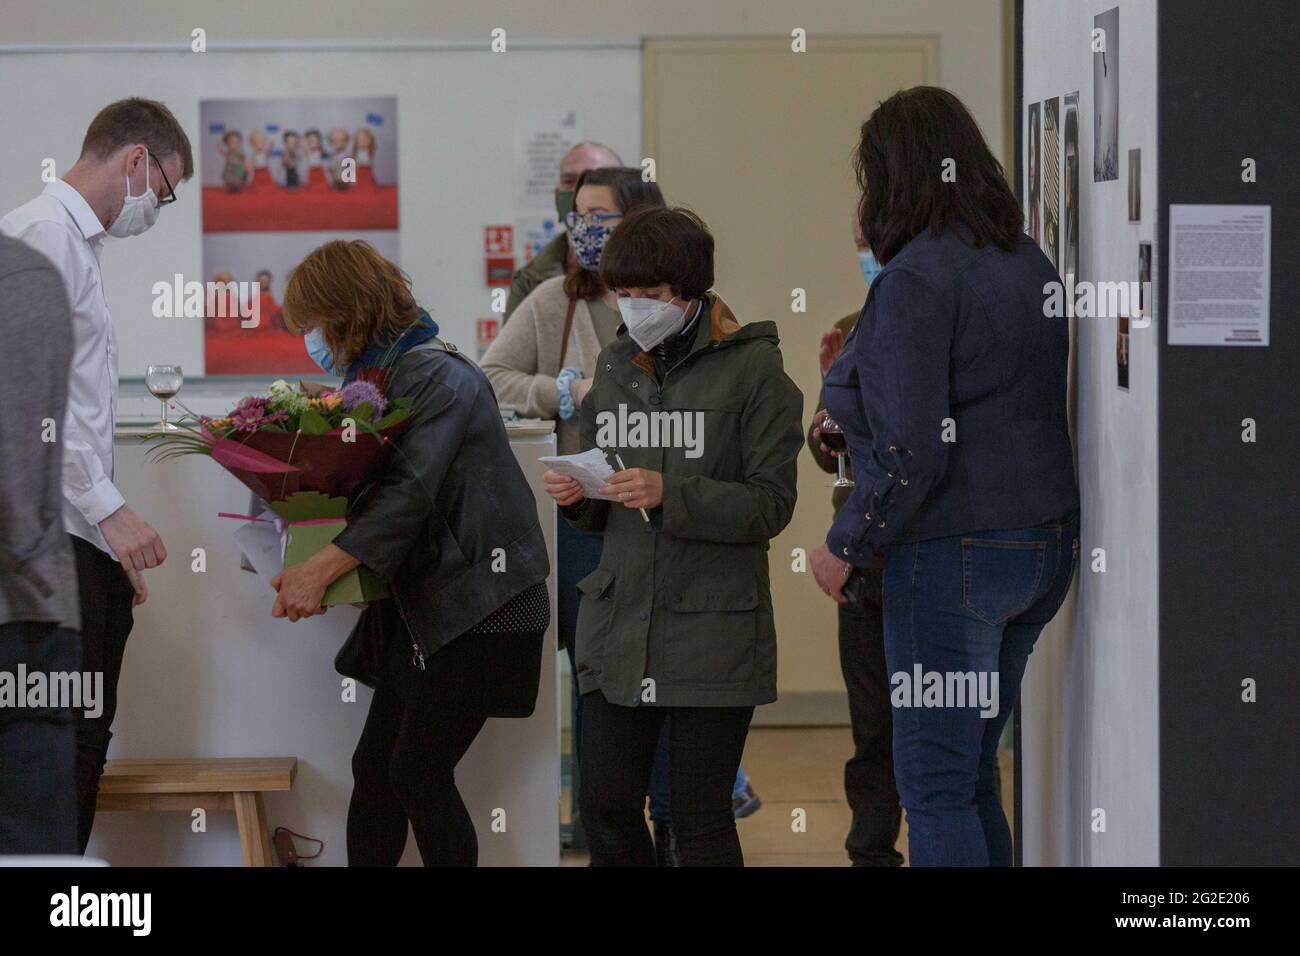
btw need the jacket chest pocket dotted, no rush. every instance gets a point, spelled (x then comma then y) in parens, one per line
(698, 439)
(710, 629)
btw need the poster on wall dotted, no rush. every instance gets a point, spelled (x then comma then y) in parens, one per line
(1121, 352)
(1105, 96)
(1145, 300)
(279, 178)
(1034, 180)
(1052, 180)
(1070, 175)
(1219, 274)
(1135, 185)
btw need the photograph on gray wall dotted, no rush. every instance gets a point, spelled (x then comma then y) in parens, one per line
(1144, 280)
(1105, 96)
(1135, 185)
(1121, 352)
(1052, 180)
(1034, 180)
(1070, 174)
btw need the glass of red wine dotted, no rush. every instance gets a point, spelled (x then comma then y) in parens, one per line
(833, 438)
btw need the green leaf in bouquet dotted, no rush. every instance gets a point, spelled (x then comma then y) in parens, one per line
(362, 413)
(185, 440)
(313, 422)
(397, 411)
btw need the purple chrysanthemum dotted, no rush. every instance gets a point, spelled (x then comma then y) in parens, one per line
(359, 393)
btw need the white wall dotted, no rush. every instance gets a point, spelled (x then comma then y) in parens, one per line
(1090, 705)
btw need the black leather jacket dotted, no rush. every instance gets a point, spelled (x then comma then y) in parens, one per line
(451, 526)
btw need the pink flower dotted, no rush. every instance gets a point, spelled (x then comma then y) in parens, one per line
(252, 413)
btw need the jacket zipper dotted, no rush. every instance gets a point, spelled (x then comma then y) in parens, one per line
(417, 655)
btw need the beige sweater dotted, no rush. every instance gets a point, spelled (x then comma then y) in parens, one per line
(524, 359)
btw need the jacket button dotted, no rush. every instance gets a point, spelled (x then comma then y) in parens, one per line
(893, 450)
(644, 615)
(880, 524)
(867, 516)
(846, 551)
(635, 384)
(608, 367)
(903, 482)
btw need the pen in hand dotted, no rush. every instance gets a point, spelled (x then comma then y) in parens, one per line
(622, 467)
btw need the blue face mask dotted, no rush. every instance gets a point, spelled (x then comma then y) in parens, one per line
(320, 352)
(870, 267)
(588, 240)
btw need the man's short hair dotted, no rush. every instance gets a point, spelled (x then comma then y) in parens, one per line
(137, 120)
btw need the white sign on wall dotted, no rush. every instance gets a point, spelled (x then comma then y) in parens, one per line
(1218, 274)
(541, 140)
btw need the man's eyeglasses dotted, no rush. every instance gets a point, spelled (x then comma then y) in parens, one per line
(590, 218)
(170, 197)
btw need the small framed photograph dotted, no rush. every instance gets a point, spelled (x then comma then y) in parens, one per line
(1121, 352)
(1144, 280)
(1135, 185)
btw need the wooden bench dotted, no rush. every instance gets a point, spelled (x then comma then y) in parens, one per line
(217, 783)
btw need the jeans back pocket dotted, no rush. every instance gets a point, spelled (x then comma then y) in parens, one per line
(1000, 579)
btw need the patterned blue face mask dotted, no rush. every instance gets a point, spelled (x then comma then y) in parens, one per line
(588, 241)
(870, 267)
(320, 352)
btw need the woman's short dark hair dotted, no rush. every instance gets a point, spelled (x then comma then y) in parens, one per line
(901, 162)
(653, 246)
(631, 191)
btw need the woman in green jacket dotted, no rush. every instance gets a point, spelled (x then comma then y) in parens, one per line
(703, 425)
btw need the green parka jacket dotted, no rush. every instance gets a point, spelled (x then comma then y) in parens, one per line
(679, 611)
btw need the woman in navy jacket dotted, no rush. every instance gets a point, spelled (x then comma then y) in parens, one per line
(951, 391)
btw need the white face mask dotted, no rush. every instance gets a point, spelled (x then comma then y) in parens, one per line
(650, 321)
(138, 212)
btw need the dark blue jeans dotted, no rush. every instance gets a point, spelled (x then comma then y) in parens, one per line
(967, 609)
(38, 746)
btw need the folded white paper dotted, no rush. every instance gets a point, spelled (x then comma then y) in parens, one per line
(590, 469)
(263, 545)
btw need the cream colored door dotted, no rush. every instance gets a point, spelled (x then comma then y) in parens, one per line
(758, 140)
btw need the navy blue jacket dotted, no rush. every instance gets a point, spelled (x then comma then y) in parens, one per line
(951, 392)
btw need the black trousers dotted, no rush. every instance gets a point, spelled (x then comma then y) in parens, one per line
(106, 621)
(869, 774)
(38, 746)
(618, 749)
(420, 725)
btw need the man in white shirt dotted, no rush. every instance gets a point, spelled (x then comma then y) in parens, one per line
(132, 154)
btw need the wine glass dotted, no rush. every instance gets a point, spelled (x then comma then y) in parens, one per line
(833, 438)
(164, 381)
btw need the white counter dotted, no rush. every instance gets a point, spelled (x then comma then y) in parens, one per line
(209, 673)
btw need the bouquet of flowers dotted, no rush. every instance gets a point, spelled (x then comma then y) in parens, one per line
(305, 450)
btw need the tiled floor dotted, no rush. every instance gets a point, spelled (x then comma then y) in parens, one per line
(802, 768)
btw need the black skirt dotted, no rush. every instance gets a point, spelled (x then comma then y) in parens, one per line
(495, 673)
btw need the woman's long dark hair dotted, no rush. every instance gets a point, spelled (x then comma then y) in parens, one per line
(901, 163)
(630, 192)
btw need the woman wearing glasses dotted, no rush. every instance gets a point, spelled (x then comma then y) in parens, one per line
(543, 361)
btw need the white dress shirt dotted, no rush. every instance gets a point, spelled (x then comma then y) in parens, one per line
(60, 224)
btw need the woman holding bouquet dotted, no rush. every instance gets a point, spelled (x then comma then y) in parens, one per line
(451, 527)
